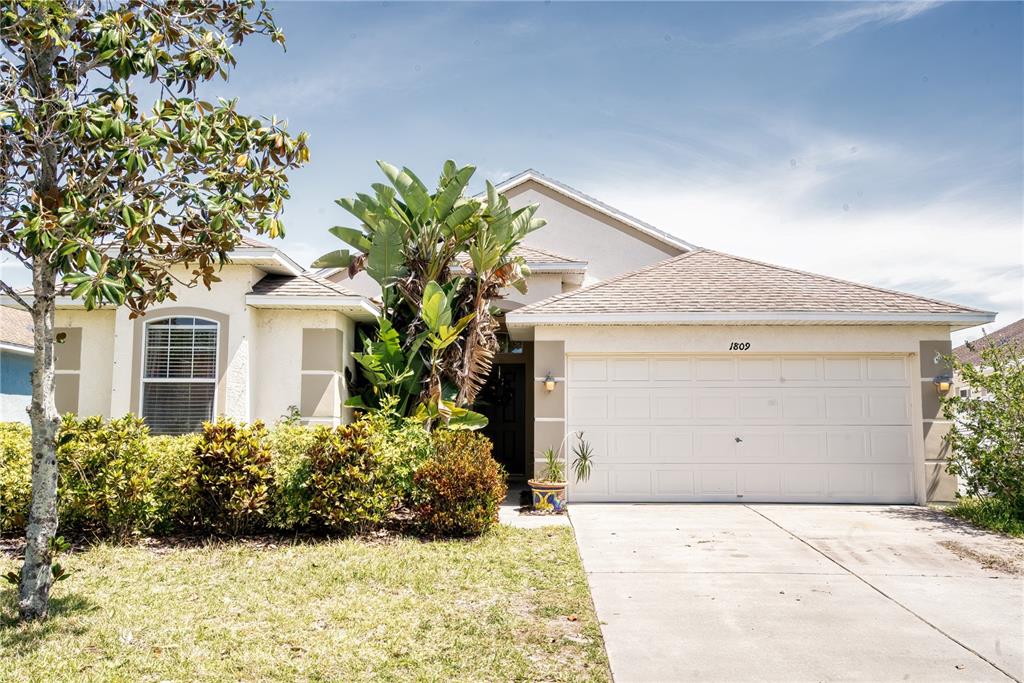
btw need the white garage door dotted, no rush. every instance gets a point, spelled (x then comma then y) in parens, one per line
(744, 428)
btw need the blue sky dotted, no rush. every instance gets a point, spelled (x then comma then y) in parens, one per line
(880, 142)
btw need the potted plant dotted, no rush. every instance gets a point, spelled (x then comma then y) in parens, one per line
(549, 488)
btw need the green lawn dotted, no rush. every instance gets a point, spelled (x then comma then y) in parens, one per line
(512, 605)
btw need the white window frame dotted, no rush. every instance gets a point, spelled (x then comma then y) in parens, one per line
(180, 380)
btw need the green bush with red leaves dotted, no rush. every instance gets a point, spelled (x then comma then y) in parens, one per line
(459, 489)
(231, 481)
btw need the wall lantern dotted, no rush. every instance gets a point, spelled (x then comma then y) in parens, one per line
(943, 383)
(549, 383)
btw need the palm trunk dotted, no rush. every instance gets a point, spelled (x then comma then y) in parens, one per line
(36, 574)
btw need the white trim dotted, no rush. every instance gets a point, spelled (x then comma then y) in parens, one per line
(599, 206)
(255, 255)
(549, 419)
(181, 380)
(514, 319)
(355, 304)
(17, 348)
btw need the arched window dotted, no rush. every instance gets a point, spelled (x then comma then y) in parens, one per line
(179, 375)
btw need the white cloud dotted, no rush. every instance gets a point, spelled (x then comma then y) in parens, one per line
(951, 249)
(827, 27)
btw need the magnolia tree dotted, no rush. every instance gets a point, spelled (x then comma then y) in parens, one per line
(112, 201)
(440, 259)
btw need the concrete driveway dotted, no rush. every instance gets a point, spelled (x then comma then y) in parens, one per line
(802, 593)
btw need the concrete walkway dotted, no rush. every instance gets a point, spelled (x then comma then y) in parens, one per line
(802, 593)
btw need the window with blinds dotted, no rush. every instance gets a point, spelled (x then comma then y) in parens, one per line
(179, 375)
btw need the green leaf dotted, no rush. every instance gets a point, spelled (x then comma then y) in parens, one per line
(341, 258)
(352, 237)
(411, 189)
(384, 259)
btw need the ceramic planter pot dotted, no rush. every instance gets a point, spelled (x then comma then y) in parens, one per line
(548, 496)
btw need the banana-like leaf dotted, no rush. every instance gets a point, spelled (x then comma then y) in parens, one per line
(352, 237)
(384, 259)
(341, 258)
(445, 200)
(411, 188)
(465, 419)
(435, 309)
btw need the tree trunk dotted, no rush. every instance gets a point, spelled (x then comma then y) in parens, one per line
(36, 573)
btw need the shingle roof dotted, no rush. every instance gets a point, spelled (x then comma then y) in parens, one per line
(706, 281)
(306, 284)
(1011, 334)
(15, 326)
(535, 255)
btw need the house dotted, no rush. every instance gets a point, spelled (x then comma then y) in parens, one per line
(15, 364)
(970, 353)
(696, 375)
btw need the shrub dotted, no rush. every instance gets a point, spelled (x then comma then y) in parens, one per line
(108, 478)
(289, 445)
(173, 459)
(460, 488)
(231, 481)
(349, 489)
(402, 445)
(15, 476)
(987, 437)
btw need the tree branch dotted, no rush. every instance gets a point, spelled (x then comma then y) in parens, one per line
(13, 293)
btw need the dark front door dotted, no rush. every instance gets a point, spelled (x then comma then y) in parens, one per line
(503, 401)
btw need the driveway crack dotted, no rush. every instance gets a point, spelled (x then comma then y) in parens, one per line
(884, 594)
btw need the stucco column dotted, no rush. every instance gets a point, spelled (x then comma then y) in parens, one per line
(939, 485)
(121, 368)
(548, 406)
(237, 401)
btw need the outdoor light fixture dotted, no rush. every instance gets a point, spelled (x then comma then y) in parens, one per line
(943, 383)
(549, 383)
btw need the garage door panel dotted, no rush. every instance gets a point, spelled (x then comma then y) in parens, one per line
(716, 369)
(888, 406)
(803, 482)
(843, 370)
(760, 428)
(717, 482)
(671, 369)
(757, 369)
(886, 370)
(671, 446)
(631, 482)
(674, 482)
(588, 369)
(671, 405)
(760, 482)
(799, 369)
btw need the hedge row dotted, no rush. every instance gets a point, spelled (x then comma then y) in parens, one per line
(117, 481)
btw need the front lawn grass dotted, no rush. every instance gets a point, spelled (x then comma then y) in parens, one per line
(511, 605)
(988, 513)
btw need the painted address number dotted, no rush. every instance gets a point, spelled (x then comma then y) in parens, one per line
(739, 346)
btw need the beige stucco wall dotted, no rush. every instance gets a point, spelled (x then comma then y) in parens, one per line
(96, 361)
(259, 366)
(278, 367)
(552, 344)
(579, 232)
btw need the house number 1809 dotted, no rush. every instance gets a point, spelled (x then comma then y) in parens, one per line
(739, 346)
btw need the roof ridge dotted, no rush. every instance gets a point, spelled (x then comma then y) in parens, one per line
(845, 282)
(324, 282)
(584, 198)
(552, 254)
(611, 280)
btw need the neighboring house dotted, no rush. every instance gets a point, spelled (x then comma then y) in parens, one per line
(970, 353)
(15, 364)
(696, 375)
